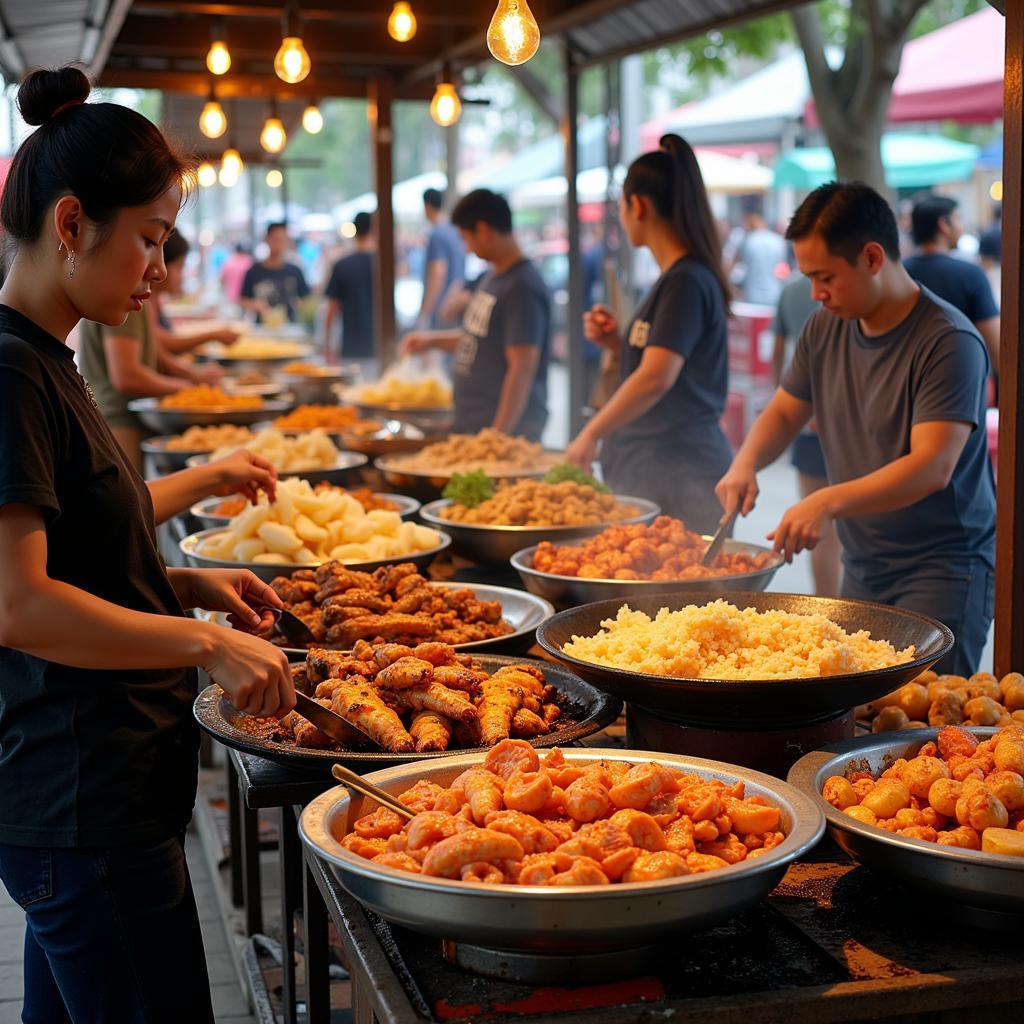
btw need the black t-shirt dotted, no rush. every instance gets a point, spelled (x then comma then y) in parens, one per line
(684, 312)
(962, 284)
(280, 286)
(351, 283)
(87, 757)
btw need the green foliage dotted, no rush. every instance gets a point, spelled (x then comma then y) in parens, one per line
(567, 471)
(469, 489)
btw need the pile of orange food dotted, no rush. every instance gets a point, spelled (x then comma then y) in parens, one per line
(301, 369)
(518, 819)
(662, 550)
(205, 396)
(956, 791)
(233, 506)
(327, 417)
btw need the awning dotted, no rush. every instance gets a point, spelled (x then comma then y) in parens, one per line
(911, 160)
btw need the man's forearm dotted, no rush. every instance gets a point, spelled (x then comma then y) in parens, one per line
(447, 341)
(771, 434)
(897, 485)
(515, 393)
(176, 492)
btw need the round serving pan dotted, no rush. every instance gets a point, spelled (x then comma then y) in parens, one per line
(590, 711)
(429, 485)
(168, 460)
(432, 420)
(393, 437)
(206, 510)
(266, 390)
(267, 571)
(235, 363)
(987, 881)
(343, 469)
(571, 591)
(562, 919)
(174, 421)
(318, 388)
(755, 703)
(495, 545)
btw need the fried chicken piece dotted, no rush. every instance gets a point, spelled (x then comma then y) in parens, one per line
(409, 583)
(417, 600)
(387, 577)
(458, 678)
(430, 731)
(370, 626)
(341, 581)
(300, 680)
(385, 654)
(357, 598)
(293, 591)
(437, 654)
(526, 724)
(500, 699)
(467, 734)
(362, 650)
(434, 697)
(304, 576)
(307, 734)
(551, 713)
(530, 670)
(334, 616)
(360, 705)
(322, 664)
(405, 673)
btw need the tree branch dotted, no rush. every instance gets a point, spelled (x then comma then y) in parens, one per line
(821, 76)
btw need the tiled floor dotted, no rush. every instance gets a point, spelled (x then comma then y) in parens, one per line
(229, 1003)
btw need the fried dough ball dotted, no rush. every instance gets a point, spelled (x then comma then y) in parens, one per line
(913, 699)
(943, 796)
(955, 741)
(1008, 788)
(964, 837)
(980, 808)
(1009, 754)
(862, 814)
(946, 709)
(839, 793)
(921, 773)
(983, 711)
(889, 719)
(887, 797)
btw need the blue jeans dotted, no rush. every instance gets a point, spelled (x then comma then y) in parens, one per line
(961, 595)
(112, 935)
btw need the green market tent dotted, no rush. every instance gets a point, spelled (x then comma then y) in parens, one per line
(911, 160)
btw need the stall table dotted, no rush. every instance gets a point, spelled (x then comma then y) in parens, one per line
(833, 943)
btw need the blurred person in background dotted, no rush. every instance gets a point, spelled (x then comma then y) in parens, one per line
(990, 251)
(796, 305)
(659, 433)
(501, 354)
(349, 292)
(937, 227)
(444, 262)
(755, 265)
(232, 274)
(274, 283)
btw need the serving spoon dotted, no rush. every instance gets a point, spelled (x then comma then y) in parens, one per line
(360, 785)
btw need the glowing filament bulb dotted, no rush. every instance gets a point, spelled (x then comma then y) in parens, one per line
(513, 34)
(273, 136)
(213, 122)
(231, 163)
(292, 63)
(218, 58)
(312, 119)
(275, 179)
(445, 107)
(207, 174)
(402, 22)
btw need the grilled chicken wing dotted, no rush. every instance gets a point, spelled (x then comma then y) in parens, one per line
(434, 697)
(358, 703)
(405, 673)
(430, 731)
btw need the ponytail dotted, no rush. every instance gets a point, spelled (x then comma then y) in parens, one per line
(670, 178)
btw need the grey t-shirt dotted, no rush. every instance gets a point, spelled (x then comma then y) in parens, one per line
(760, 252)
(867, 394)
(445, 244)
(513, 308)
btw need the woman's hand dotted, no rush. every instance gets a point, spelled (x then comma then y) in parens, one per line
(601, 327)
(243, 473)
(253, 673)
(240, 594)
(583, 451)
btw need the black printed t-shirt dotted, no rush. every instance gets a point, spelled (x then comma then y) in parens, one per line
(87, 757)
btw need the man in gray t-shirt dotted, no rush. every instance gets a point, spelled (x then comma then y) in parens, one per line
(895, 378)
(501, 352)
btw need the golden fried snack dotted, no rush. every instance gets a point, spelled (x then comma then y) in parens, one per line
(489, 450)
(359, 704)
(430, 731)
(500, 699)
(404, 673)
(435, 697)
(326, 417)
(205, 396)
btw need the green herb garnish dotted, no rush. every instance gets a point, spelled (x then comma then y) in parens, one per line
(567, 471)
(469, 489)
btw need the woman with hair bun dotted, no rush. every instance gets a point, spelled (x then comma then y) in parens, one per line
(658, 433)
(98, 747)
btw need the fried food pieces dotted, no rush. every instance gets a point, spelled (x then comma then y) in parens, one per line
(638, 823)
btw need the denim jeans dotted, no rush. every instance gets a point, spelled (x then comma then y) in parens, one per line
(959, 594)
(112, 935)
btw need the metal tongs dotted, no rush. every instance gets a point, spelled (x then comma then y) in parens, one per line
(723, 531)
(360, 785)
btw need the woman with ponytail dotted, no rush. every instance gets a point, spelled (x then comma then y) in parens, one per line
(658, 433)
(98, 747)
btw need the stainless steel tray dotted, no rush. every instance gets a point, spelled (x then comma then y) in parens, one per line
(495, 545)
(429, 485)
(269, 570)
(167, 460)
(205, 510)
(432, 420)
(344, 469)
(588, 709)
(174, 421)
(986, 881)
(560, 918)
(318, 387)
(755, 702)
(571, 591)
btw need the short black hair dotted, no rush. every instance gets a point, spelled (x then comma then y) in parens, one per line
(848, 215)
(362, 222)
(176, 247)
(483, 205)
(434, 198)
(925, 217)
(277, 224)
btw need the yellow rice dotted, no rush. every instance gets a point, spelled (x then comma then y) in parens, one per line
(720, 641)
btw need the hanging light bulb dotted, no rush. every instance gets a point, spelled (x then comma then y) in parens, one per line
(513, 34)
(402, 22)
(227, 177)
(218, 58)
(292, 63)
(231, 163)
(275, 179)
(207, 174)
(273, 137)
(445, 107)
(312, 119)
(213, 122)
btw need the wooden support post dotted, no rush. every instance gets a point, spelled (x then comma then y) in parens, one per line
(574, 328)
(1009, 628)
(381, 93)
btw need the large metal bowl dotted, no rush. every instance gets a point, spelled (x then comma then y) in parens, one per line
(206, 510)
(571, 591)
(585, 712)
(559, 918)
(986, 882)
(267, 571)
(320, 387)
(428, 485)
(343, 469)
(393, 437)
(174, 421)
(167, 460)
(757, 703)
(432, 420)
(216, 353)
(495, 545)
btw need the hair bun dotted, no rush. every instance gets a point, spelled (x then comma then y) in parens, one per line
(44, 91)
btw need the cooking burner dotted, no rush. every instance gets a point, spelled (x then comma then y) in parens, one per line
(555, 968)
(773, 750)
